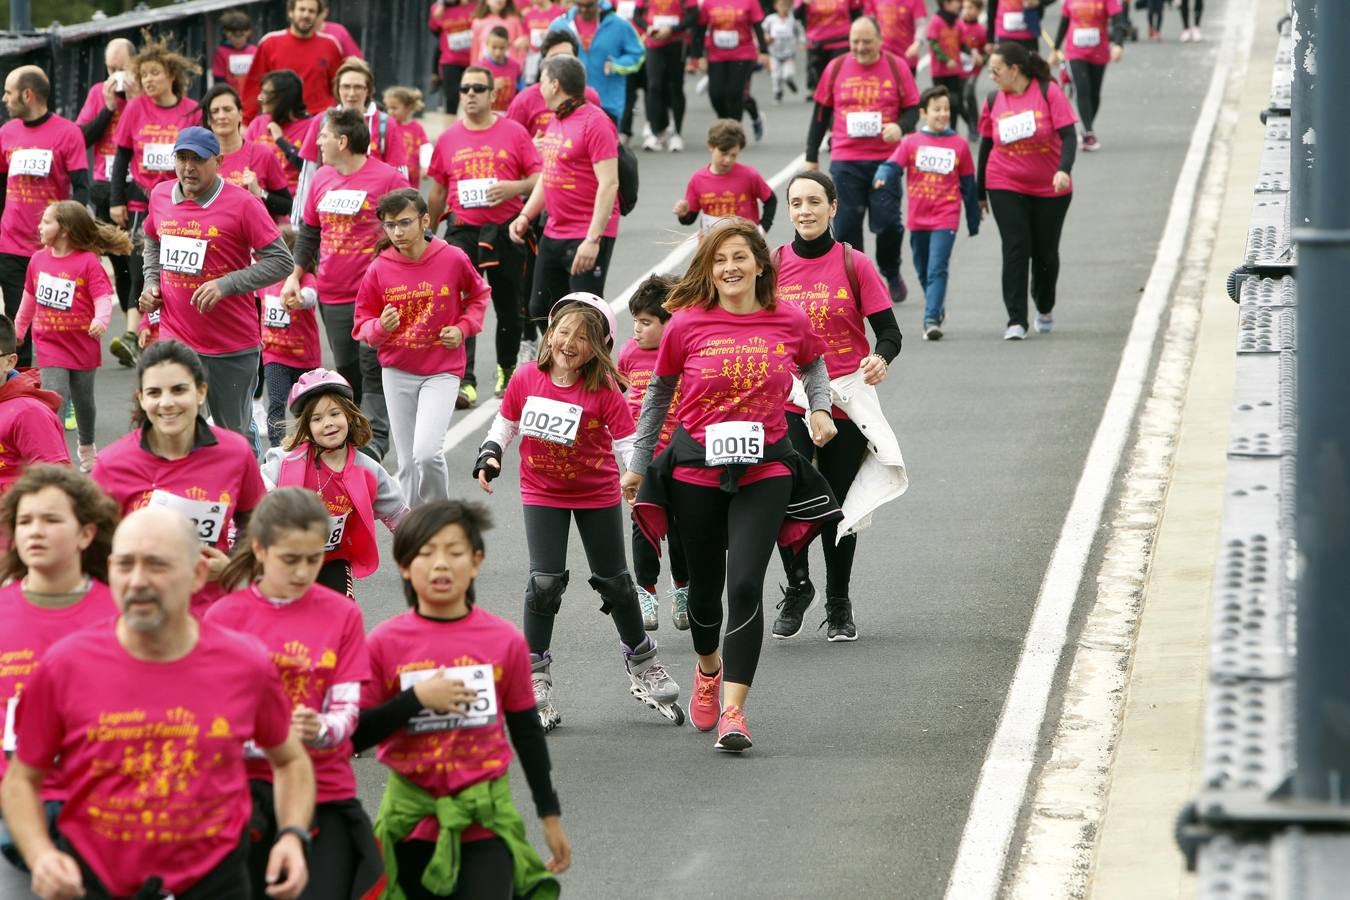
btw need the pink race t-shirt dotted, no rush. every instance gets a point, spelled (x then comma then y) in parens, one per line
(828, 21)
(567, 440)
(37, 161)
(453, 23)
(386, 141)
(466, 161)
(152, 753)
(149, 132)
(258, 157)
(444, 754)
(204, 240)
(414, 136)
(715, 197)
(899, 23)
(950, 41)
(972, 35)
(105, 148)
(342, 207)
(441, 289)
(1089, 38)
(505, 79)
(865, 100)
(317, 641)
(570, 148)
(730, 29)
(29, 630)
(29, 430)
(294, 132)
(933, 164)
(290, 336)
(64, 288)
(820, 289)
(1011, 23)
(636, 366)
(231, 66)
(665, 14)
(1025, 129)
(218, 477)
(530, 110)
(536, 22)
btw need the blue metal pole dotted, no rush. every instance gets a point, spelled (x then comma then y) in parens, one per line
(1302, 131)
(20, 15)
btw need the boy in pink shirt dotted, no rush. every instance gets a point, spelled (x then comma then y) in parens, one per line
(506, 71)
(234, 57)
(30, 432)
(726, 188)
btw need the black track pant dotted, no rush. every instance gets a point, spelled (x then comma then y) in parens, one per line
(665, 87)
(1029, 229)
(634, 82)
(485, 870)
(507, 280)
(553, 273)
(726, 87)
(336, 575)
(99, 195)
(1186, 12)
(1087, 85)
(332, 864)
(732, 537)
(1155, 14)
(601, 530)
(450, 77)
(838, 461)
(817, 58)
(954, 87)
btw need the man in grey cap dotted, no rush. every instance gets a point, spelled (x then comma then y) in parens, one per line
(202, 237)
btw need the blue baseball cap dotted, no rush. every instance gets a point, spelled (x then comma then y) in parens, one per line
(199, 140)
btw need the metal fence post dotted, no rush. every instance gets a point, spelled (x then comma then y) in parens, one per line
(1323, 467)
(1302, 130)
(20, 15)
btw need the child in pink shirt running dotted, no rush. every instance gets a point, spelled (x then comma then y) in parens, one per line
(725, 187)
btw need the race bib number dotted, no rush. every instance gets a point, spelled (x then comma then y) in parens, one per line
(1019, 127)
(665, 21)
(275, 313)
(33, 162)
(1014, 21)
(460, 40)
(208, 517)
(180, 254)
(153, 318)
(337, 526)
(1087, 37)
(550, 420)
(11, 743)
(157, 157)
(938, 160)
(481, 712)
(537, 37)
(240, 63)
(707, 223)
(726, 39)
(626, 9)
(733, 443)
(55, 293)
(473, 192)
(863, 124)
(967, 62)
(342, 203)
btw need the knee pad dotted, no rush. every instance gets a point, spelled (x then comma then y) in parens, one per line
(545, 591)
(614, 590)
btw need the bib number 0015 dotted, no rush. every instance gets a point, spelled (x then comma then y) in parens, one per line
(733, 443)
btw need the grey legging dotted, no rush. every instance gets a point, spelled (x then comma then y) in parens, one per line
(77, 386)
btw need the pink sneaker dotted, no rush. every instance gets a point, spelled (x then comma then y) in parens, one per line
(732, 733)
(706, 705)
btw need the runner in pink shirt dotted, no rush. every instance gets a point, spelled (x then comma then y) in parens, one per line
(251, 166)
(446, 676)
(209, 245)
(492, 14)
(417, 303)
(571, 415)
(1027, 149)
(42, 159)
(318, 644)
(725, 187)
(507, 73)
(68, 301)
(29, 430)
(665, 26)
(727, 42)
(173, 458)
(234, 56)
(290, 343)
(948, 48)
(146, 718)
(729, 473)
(1018, 21)
(867, 101)
(282, 124)
(900, 22)
(972, 63)
(338, 233)
(1091, 34)
(535, 18)
(451, 21)
(56, 573)
(826, 23)
(402, 104)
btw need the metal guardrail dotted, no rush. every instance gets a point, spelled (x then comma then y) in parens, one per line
(392, 33)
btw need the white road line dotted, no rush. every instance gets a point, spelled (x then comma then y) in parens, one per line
(995, 809)
(482, 415)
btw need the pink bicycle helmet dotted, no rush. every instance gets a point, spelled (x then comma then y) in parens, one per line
(317, 381)
(611, 323)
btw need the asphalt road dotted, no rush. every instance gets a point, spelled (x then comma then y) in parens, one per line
(866, 754)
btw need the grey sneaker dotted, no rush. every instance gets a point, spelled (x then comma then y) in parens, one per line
(932, 331)
(1044, 323)
(839, 619)
(650, 680)
(1015, 333)
(797, 599)
(542, 682)
(679, 611)
(650, 607)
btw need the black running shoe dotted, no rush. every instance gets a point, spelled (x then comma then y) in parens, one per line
(797, 599)
(839, 618)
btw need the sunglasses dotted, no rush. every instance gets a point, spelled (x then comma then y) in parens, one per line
(474, 88)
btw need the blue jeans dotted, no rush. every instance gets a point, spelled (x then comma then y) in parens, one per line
(853, 180)
(932, 250)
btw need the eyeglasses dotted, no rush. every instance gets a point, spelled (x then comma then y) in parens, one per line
(474, 88)
(398, 224)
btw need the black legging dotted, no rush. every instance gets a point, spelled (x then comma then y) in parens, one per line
(553, 273)
(601, 530)
(1087, 85)
(954, 86)
(817, 58)
(1186, 12)
(486, 870)
(332, 862)
(507, 280)
(632, 83)
(1029, 229)
(336, 575)
(726, 87)
(838, 461)
(450, 77)
(99, 195)
(1155, 15)
(647, 562)
(732, 538)
(665, 87)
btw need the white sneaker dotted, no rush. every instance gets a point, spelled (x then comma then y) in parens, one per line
(676, 143)
(701, 86)
(1015, 333)
(1044, 323)
(651, 143)
(529, 352)
(1185, 35)
(1195, 34)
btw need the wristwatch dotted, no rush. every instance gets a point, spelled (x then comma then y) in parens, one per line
(305, 840)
